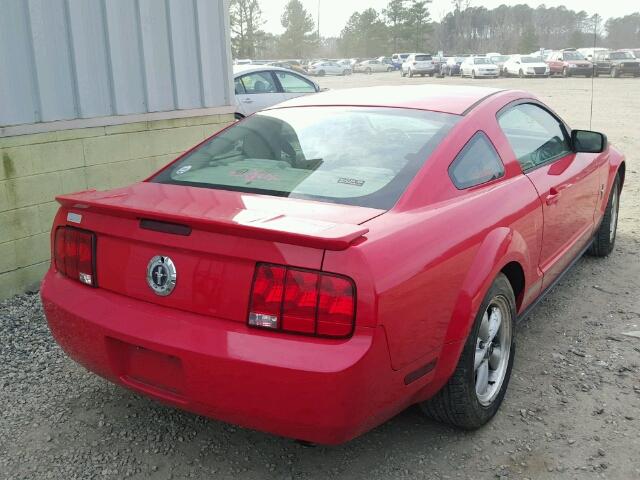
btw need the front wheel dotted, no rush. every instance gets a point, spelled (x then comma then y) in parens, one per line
(477, 387)
(410, 73)
(565, 72)
(321, 73)
(615, 73)
(368, 71)
(605, 237)
(521, 74)
(473, 74)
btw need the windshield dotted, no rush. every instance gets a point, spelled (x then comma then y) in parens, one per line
(500, 58)
(531, 60)
(482, 61)
(423, 58)
(350, 155)
(572, 56)
(621, 55)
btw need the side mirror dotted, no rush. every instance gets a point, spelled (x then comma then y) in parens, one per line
(588, 142)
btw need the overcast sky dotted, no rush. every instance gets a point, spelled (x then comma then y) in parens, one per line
(335, 13)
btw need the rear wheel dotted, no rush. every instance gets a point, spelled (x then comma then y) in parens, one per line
(368, 71)
(521, 74)
(410, 73)
(615, 73)
(605, 237)
(473, 74)
(476, 389)
(321, 73)
(565, 72)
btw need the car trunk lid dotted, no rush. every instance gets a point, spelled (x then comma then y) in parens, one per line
(213, 237)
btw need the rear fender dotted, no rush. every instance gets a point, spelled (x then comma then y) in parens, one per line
(500, 246)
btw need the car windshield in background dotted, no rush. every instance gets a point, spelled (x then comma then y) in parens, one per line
(531, 59)
(482, 61)
(500, 58)
(572, 56)
(423, 58)
(621, 55)
(350, 155)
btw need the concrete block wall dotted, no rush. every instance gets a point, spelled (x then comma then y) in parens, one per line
(35, 168)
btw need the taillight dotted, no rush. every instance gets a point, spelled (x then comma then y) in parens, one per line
(302, 301)
(74, 254)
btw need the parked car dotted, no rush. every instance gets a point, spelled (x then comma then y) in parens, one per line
(398, 59)
(328, 68)
(617, 63)
(526, 66)
(418, 64)
(589, 52)
(388, 61)
(288, 65)
(477, 67)
(452, 66)
(499, 61)
(285, 278)
(261, 86)
(372, 66)
(568, 63)
(636, 52)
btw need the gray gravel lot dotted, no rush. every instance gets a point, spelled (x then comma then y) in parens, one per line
(572, 409)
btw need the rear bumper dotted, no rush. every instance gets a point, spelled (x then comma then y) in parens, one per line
(319, 390)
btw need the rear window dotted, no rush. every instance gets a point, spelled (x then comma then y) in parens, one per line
(350, 155)
(423, 58)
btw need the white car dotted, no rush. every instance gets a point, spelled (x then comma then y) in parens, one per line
(371, 66)
(476, 67)
(526, 66)
(418, 64)
(260, 86)
(328, 68)
(499, 60)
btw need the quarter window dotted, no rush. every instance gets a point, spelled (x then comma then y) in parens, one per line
(258, 82)
(477, 163)
(294, 84)
(536, 136)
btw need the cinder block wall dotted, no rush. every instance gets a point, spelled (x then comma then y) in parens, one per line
(35, 168)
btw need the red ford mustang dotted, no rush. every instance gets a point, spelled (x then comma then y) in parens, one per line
(316, 268)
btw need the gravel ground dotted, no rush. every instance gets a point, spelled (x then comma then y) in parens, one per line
(572, 409)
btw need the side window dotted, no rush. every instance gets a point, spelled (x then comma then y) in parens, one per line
(258, 82)
(478, 162)
(294, 84)
(536, 136)
(239, 87)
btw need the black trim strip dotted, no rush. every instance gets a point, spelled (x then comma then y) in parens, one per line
(165, 227)
(420, 372)
(527, 311)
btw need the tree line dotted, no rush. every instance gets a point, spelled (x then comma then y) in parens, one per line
(406, 25)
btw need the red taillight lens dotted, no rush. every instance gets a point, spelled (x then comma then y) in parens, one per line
(302, 301)
(74, 254)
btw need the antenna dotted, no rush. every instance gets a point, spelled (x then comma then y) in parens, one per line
(594, 64)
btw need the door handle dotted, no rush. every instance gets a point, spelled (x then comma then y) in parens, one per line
(247, 100)
(552, 196)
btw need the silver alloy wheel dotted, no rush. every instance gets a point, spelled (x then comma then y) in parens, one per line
(614, 213)
(493, 348)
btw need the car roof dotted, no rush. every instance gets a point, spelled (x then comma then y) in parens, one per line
(242, 69)
(455, 99)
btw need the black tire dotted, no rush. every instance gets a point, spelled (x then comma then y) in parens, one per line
(321, 73)
(521, 74)
(605, 237)
(238, 116)
(457, 402)
(615, 73)
(565, 72)
(473, 74)
(368, 71)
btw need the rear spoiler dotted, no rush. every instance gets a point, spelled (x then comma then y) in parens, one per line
(242, 223)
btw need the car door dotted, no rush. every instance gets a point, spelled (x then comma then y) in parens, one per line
(259, 90)
(567, 182)
(293, 85)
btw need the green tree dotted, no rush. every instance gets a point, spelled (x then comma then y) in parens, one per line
(298, 38)
(623, 32)
(419, 22)
(245, 21)
(529, 41)
(396, 15)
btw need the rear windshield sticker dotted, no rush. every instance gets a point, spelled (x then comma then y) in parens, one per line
(351, 181)
(184, 169)
(251, 175)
